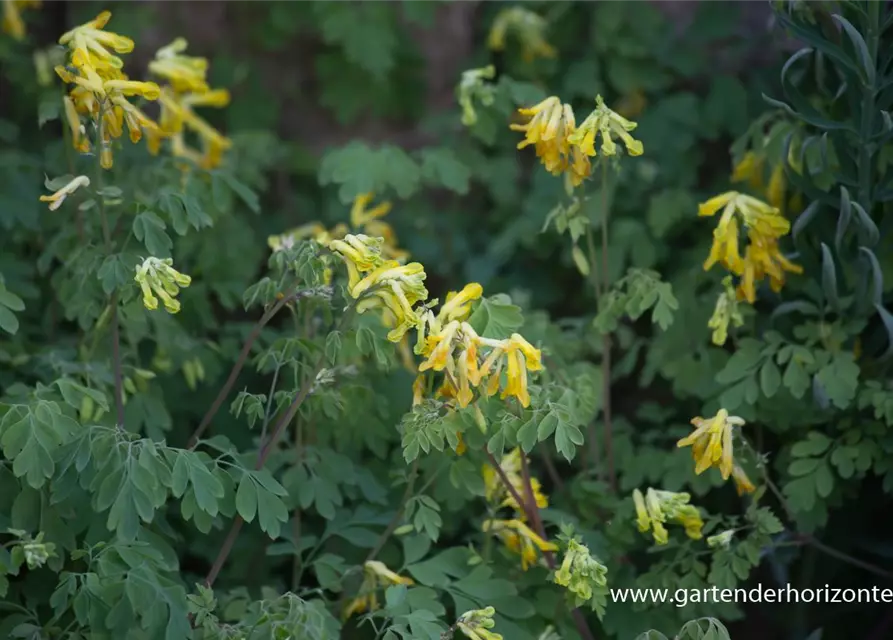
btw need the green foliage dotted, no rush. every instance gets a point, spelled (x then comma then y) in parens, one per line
(240, 468)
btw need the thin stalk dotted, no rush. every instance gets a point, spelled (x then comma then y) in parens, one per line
(107, 240)
(606, 339)
(237, 367)
(533, 515)
(392, 525)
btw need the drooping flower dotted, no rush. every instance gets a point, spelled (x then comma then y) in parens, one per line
(550, 127)
(101, 90)
(742, 482)
(527, 27)
(58, 198)
(517, 357)
(580, 573)
(657, 507)
(749, 169)
(473, 86)
(476, 624)
(764, 224)
(376, 576)
(188, 88)
(607, 124)
(158, 277)
(396, 288)
(711, 442)
(725, 313)
(520, 539)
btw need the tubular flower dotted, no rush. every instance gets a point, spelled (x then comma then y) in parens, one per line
(157, 276)
(519, 357)
(711, 442)
(725, 313)
(476, 624)
(360, 253)
(580, 572)
(12, 16)
(527, 27)
(549, 128)
(396, 288)
(368, 222)
(657, 507)
(749, 169)
(58, 198)
(496, 492)
(313, 230)
(607, 123)
(359, 215)
(742, 482)
(520, 539)
(101, 90)
(765, 225)
(187, 88)
(376, 575)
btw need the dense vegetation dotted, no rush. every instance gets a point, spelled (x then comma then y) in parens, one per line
(290, 348)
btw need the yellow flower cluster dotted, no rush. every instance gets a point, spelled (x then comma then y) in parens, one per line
(450, 344)
(657, 507)
(514, 533)
(563, 147)
(476, 624)
(187, 88)
(376, 576)
(12, 22)
(527, 27)
(712, 445)
(101, 90)
(762, 257)
(751, 169)
(156, 276)
(580, 572)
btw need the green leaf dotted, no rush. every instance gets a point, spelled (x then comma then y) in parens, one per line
(356, 169)
(567, 438)
(246, 498)
(815, 445)
(150, 230)
(441, 167)
(829, 278)
(9, 302)
(116, 271)
(245, 194)
(742, 363)
(770, 378)
(796, 379)
(30, 436)
(496, 317)
(365, 32)
(840, 379)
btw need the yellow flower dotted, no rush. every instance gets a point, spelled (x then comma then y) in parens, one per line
(157, 276)
(775, 190)
(360, 253)
(763, 258)
(742, 482)
(520, 539)
(496, 492)
(580, 572)
(606, 123)
(288, 239)
(376, 576)
(458, 303)
(184, 73)
(476, 624)
(359, 216)
(550, 126)
(657, 507)
(711, 442)
(721, 540)
(90, 41)
(725, 313)
(527, 27)
(749, 169)
(58, 198)
(12, 16)
(519, 356)
(397, 288)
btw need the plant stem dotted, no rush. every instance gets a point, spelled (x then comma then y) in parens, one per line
(532, 512)
(267, 447)
(237, 367)
(392, 525)
(606, 339)
(866, 147)
(107, 240)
